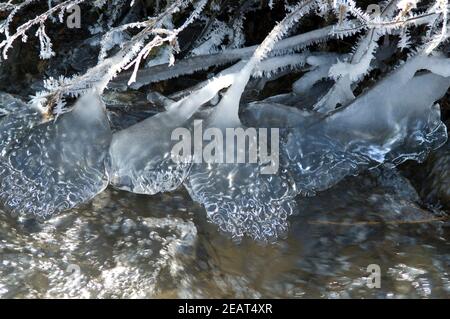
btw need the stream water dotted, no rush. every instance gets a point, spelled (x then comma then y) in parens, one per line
(123, 245)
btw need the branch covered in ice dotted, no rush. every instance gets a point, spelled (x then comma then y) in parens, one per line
(202, 62)
(129, 55)
(46, 52)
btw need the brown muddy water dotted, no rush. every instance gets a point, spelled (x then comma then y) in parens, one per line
(122, 245)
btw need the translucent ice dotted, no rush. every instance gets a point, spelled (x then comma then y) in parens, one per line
(47, 167)
(141, 154)
(393, 122)
(238, 197)
(241, 200)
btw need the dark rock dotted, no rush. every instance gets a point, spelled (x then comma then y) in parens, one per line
(436, 184)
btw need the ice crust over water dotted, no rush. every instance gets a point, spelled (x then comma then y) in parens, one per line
(141, 154)
(141, 159)
(391, 123)
(241, 200)
(47, 167)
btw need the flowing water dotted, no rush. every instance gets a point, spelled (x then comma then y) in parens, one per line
(123, 245)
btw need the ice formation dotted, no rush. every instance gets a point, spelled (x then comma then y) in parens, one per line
(241, 200)
(46, 166)
(141, 160)
(238, 197)
(394, 121)
(391, 123)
